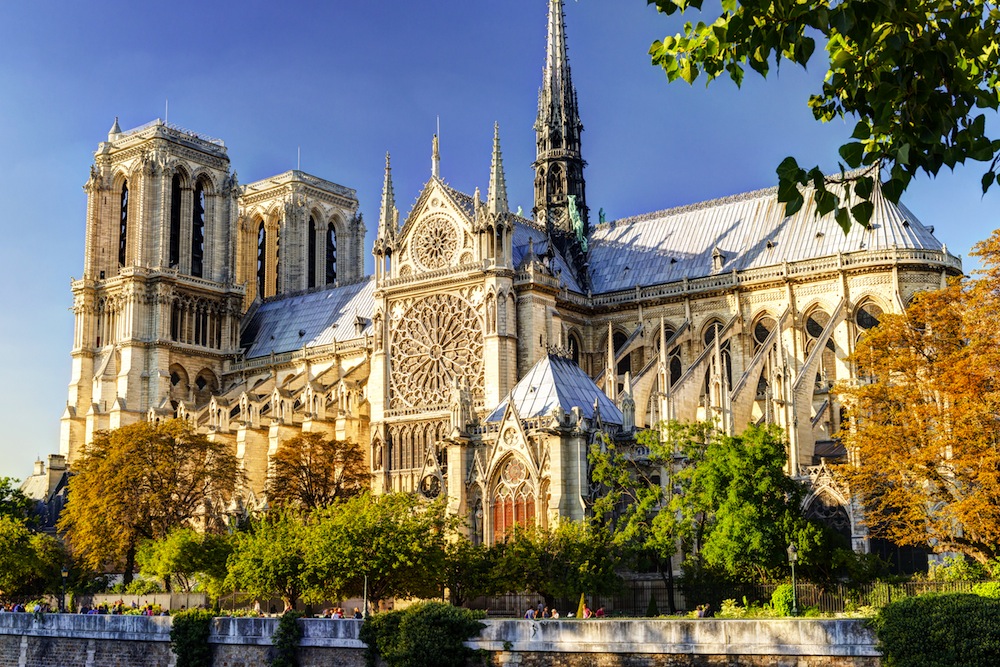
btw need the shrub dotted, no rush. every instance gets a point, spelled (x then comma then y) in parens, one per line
(189, 638)
(428, 634)
(987, 589)
(940, 631)
(782, 600)
(652, 610)
(286, 640)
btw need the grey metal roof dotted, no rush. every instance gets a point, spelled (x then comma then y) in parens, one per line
(556, 381)
(322, 316)
(523, 231)
(751, 231)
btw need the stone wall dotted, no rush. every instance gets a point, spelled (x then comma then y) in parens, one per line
(68, 640)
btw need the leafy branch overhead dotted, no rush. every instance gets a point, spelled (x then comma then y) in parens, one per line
(917, 76)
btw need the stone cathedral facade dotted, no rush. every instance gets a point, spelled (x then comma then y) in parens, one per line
(488, 349)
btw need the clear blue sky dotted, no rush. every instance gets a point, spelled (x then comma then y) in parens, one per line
(346, 82)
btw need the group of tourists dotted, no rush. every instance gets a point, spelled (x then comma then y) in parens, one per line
(338, 612)
(540, 611)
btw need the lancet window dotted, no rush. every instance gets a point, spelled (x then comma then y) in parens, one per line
(261, 258)
(198, 230)
(123, 225)
(174, 253)
(513, 499)
(331, 254)
(311, 262)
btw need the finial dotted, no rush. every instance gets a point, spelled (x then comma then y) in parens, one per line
(436, 159)
(496, 195)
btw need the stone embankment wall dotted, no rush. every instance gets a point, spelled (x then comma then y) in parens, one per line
(69, 640)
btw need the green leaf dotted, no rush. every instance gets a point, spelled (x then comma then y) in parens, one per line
(864, 187)
(843, 218)
(788, 170)
(863, 213)
(852, 153)
(988, 178)
(861, 131)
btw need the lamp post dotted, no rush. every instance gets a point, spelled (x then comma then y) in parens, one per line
(793, 555)
(62, 592)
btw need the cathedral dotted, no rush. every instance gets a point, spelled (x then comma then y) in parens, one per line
(489, 348)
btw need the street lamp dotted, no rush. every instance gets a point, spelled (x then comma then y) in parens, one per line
(793, 555)
(62, 596)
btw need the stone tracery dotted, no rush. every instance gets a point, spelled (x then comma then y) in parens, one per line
(434, 246)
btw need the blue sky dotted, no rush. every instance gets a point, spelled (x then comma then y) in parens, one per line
(346, 82)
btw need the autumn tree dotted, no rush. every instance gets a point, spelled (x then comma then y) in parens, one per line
(395, 542)
(312, 471)
(138, 482)
(915, 76)
(923, 435)
(30, 562)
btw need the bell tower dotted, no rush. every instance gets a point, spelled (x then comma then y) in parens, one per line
(560, 192)
(156, 310)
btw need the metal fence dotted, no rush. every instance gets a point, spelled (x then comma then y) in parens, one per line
(634, 597)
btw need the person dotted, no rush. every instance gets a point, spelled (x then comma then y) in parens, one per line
(545, 613)
(586, 611)
(530, 614)
(358, 614)
(539, 609)
(256, 607)
(599, 613)
(554, 614)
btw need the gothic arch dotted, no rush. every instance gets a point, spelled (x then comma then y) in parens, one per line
(206, 385)
(179, 382)
(513, 496)
(207, 177)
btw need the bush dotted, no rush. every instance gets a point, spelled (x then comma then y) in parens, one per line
(987, 589)
(652, 610)
(782, 600)
(286, 640)
(428, 634)
(940, 631)
(189, 638)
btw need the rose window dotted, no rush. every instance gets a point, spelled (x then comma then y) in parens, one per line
(435, 244)
(434, 342)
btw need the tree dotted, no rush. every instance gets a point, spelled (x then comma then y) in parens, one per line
(571, 558)
(738, 510)
(916, 75)
(468, 570)
(138, 482)
(632, 503)
(923, 439)
(186, 557)
(269, 559)
(29, 562)
(312, 471)
(13, 502)
(394, 542)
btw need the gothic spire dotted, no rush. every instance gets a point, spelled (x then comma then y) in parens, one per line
(387, 214)
(496, 195)
(435, 158)
(556, 78)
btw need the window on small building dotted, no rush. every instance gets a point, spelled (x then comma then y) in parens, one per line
(174, 254)
(198, 230)
(331, 254)
(123, 225)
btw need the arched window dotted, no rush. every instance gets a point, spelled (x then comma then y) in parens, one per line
(868, 315)
(574, 348)
(765, 325)
(198, 230)
(711, 331)
(174, 255)
(123, 225)
(311, 262)
(331, 254)
(513, 499)
(261, 258)
(826, 373)
(277, 258)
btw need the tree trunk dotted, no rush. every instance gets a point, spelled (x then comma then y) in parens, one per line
(129, 566)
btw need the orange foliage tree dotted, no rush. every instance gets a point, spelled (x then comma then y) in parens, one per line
(924, 431)
(311, 471)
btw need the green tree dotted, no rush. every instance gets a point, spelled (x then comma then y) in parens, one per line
(738, 509)
(468, 570)
(312, 471)
(137, 483)
(395, 541)
(13, 502)
(571, 558)
(29, 562)
(269, 559)
(915, 75)
(187, 557)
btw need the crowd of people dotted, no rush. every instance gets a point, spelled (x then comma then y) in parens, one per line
(540, 611)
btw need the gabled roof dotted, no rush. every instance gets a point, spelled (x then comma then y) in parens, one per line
(557, 381)
(322, 317)
(750, 230)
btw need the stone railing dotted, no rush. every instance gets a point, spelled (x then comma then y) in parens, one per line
(841, 642)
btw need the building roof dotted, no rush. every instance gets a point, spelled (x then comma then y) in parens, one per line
(750, 230)
(311, 319)
(557, 381)
(525, 230)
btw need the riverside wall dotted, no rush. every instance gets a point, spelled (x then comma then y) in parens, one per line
(72, 640)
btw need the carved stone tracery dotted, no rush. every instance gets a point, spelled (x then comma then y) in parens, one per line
(434, 246)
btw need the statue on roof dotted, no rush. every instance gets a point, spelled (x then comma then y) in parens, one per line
(574, 216)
